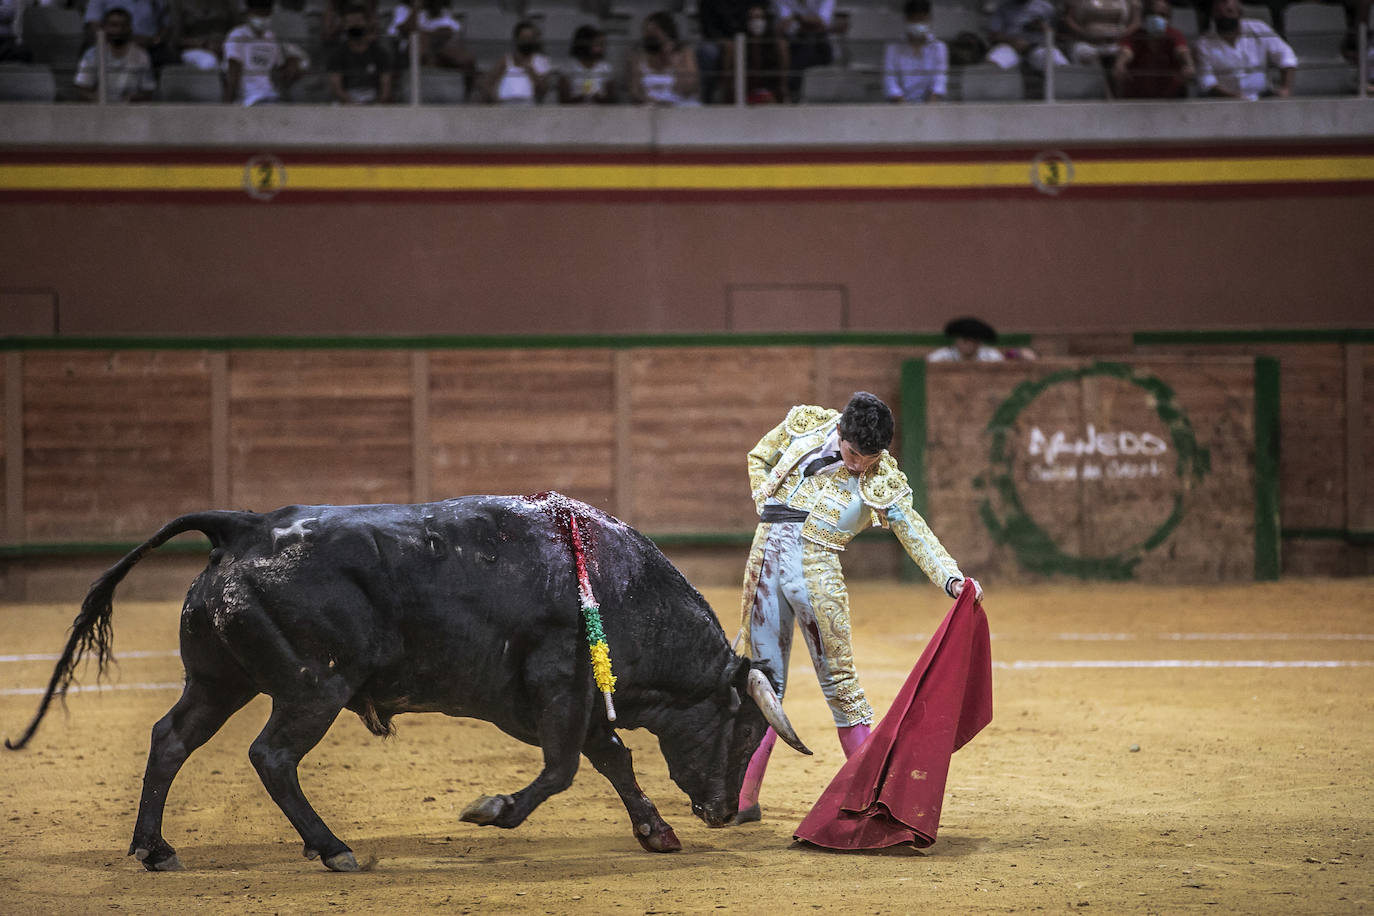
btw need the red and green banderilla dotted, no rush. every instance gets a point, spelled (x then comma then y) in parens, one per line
(591, 618)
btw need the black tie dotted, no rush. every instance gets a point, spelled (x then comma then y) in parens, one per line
(817, 464)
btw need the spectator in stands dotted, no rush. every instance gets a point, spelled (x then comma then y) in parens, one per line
(1017, 29)
(720, 21)
(806, 24)
(588, 77)
(662, 70)
(522, 76)
(971, 340)
(331, 23)
(1094, 29)
(255, 62)
(767, 61)
(1233, 59)
(151, 24)
(440, 35)
(360, 68)
(1154, 61)
(916, 69)
(128, 68)
(12, 48)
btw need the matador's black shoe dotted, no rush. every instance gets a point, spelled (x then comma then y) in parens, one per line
(748, 815)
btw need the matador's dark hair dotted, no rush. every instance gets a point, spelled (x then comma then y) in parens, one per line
(866, 423)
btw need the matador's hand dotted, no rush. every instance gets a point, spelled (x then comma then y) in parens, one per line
(955, 587)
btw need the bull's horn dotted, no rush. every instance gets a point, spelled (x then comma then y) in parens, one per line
(767, 698)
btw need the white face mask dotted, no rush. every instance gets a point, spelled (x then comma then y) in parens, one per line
(918, 31)
(757, 26)
(259, 23)
(1156, 24)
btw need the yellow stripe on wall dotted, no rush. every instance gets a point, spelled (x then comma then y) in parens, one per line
(308, 176)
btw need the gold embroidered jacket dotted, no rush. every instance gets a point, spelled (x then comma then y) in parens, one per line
(840, 505)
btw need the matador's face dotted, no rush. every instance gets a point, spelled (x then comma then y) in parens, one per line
(855, 461)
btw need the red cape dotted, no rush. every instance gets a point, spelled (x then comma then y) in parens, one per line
(890, 792)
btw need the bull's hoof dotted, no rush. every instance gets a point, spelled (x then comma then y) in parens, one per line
(166, 862)
(661, 840)
(341, 861)
(485, 810)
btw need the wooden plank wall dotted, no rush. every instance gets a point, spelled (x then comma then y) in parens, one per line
(115, 442)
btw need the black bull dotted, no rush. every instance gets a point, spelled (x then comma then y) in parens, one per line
(468, 607)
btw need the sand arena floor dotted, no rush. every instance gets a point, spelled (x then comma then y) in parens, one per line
(1251, 792)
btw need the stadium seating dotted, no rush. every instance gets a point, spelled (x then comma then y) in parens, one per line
(1077, 83)
(985, 83)
(180, 83)
(1315, 30)
(54, 35)
(27, 83)
(851, 85)
(870, 29)
(437, 87)
(1332, 79)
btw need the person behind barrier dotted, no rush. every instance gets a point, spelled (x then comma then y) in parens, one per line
(819, 478)
(128, 68)
(359, 68)
(916, 69)
(524, 74)
(970, 340)
(1154, 61)
(767, 61)
(1017, 30)
(256, 63)
(1233, 59)
(588, 76)
(663, 69)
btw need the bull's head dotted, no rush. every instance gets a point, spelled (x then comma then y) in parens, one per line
(709, 750)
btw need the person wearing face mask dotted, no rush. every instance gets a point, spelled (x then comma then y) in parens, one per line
(1154, 61)
(256, 62)
(360, 68)
(588, 76)
(662, 70)
(128, 68)
(150, 24)
(1234, 57)
(522, 76)
(818, 479)
(766, 61)
(916, 69)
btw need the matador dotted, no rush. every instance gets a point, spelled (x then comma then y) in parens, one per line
(818, 479)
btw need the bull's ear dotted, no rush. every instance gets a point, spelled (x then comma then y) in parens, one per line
(735, 679)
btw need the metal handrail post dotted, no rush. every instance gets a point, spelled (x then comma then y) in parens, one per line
(1049, 62)
(1362, 69)
(740, 56)
(413, 50)
(100, 77)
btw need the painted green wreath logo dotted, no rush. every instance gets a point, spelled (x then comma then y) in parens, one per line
(1035, 549)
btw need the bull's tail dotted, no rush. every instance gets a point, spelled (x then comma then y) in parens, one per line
(91, 630)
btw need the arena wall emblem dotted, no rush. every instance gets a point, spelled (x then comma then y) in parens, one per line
(1105, 456)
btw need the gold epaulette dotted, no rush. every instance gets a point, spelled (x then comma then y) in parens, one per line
(884, 483)
(805, 417)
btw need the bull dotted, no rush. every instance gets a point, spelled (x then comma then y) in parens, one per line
(468, 607)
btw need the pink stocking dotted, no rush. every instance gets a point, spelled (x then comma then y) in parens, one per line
(753, 776)
(852, 737)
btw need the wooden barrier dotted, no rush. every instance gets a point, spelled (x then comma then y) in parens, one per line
(101, 445)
